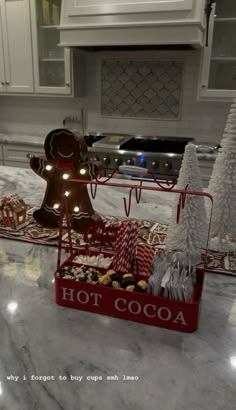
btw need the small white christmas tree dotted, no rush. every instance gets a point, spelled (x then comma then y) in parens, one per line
(222, 184)
(191, 233)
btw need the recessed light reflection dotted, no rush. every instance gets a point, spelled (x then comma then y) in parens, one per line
(105, 320)
(233, 361)
(12, 307)
(0, 388)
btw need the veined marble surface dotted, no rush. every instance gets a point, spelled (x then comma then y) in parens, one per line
(153, 206)
(176, 371)
(22, 139)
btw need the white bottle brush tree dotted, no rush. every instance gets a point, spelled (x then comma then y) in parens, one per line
(222, 184)
(191, 232)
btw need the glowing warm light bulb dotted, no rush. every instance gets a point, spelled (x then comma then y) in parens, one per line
(56, 206)
(76, 209)
(67, 193)
(12, 307)
(65, 176)
(82, 171)
(48, 167)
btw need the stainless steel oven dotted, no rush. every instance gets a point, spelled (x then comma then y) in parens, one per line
(162, 156)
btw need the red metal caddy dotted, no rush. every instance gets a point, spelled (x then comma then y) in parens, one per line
(135, 306)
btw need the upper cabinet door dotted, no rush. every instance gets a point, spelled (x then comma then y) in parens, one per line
(2, 68)
(103, 7)
(51, 63)
(219, 59)
(17, 45)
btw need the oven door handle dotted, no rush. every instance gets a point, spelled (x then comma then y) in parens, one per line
(133, 170)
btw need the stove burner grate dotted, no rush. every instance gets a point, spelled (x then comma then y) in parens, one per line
(175, 146)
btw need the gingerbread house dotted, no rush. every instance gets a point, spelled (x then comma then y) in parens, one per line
(12, 212)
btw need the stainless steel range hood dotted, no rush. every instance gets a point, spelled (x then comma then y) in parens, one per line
(91, 23)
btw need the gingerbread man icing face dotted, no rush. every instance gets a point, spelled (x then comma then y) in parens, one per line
(62, 145)
(65, 152)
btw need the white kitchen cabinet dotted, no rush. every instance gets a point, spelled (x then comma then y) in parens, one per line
(52, 65)
(16, 68)
(2, 68)
(132, 22)
(103, 7)
(218, 71)
(16, 155)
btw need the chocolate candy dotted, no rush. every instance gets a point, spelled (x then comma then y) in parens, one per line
(110, 272)
(141, 286)
(105, 280)
(110, 278)
(94, 277)
(131, 288)
(116, 284)
(114, 275)
(82, 277)
(127, 279)
(81, 273)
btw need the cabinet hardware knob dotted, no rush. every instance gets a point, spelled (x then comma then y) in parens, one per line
(7, 83)
(2, 82)
(68, 84)
(204, 86)
(29, 156)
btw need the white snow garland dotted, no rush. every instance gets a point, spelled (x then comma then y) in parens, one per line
(190, 234)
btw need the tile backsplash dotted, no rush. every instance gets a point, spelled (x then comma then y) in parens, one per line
(141, 88)
(202, 120)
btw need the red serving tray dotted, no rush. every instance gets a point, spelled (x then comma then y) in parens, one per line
(144, 308)
(135, 306)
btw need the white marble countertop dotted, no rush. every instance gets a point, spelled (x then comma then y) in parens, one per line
(176, 371)
(22, 139)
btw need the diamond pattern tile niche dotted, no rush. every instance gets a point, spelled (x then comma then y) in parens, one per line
(145, 89)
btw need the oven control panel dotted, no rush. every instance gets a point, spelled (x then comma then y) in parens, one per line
(162, 165)
(162, 156)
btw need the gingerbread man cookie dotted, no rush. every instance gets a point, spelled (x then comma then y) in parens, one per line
(65, 152)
